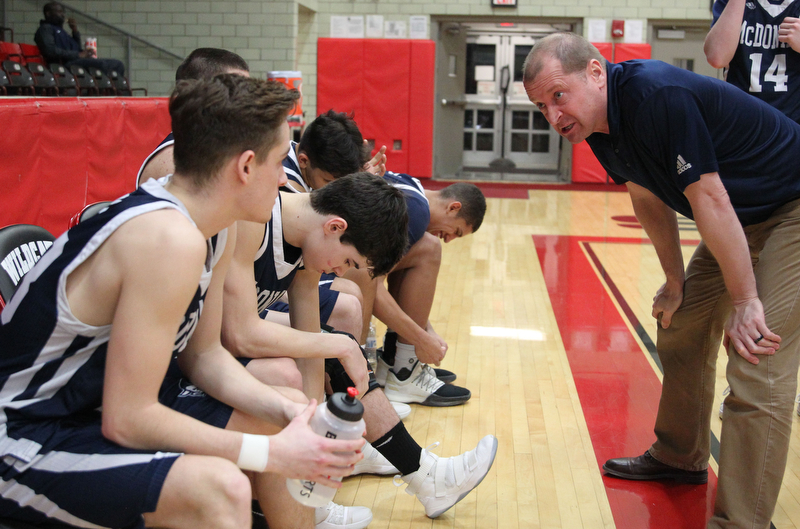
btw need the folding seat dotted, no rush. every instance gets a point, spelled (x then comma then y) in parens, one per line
(3, 83)
(21, 246)
(86, 84)
(67, 86)
(31, 53)
(20, 80)
(10, 51)
(104, 84)
(43, 80)
(122, 86)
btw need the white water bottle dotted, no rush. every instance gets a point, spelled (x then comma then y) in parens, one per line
(338, 418)
(371, 347)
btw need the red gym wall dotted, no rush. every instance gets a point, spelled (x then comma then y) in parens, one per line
(585, 167)
(59, 155)
(388, 85)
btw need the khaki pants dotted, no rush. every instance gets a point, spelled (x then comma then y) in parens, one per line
(758, 411)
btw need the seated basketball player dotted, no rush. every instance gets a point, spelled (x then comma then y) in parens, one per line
(411, 343)
(359, 222)
(205, 63)
(328, 148)
(95, 430)
(341, 308)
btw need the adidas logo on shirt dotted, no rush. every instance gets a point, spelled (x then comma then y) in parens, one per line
(683, 165)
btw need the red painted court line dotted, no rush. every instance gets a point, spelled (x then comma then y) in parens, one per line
(617, 387)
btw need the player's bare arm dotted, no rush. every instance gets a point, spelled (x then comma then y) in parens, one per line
(304, 315)
(214, 370)
(159, 165)
(723, 38)
(148, 307)
(246, 334)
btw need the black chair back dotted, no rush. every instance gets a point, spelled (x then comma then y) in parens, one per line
(86, 84)
(67, 86)
(20, 80)
(21, 246)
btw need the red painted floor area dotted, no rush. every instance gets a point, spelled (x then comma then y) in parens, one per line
(617, 387)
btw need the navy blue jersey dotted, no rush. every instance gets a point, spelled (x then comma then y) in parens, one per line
(763, 66)
(419, 210)
(51, 364)
(667, 127)
(276, 261)
(166, 142)
(292, 169)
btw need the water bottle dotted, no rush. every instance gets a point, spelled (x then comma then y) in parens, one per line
(372, 347)
(338, 418)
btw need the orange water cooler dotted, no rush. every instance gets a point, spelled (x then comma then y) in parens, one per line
(291, 79)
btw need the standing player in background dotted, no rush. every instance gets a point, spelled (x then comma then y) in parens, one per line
(758, 42)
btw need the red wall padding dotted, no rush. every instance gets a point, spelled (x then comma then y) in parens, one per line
(340, 74)
(388, 85)
(585, 167)
(420, 141)
(626, 52)
(58, 155)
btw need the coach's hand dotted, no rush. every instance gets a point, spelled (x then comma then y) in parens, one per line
(667, 300)
(746, 329)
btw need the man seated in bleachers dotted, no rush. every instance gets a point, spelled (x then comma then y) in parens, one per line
(57, 46)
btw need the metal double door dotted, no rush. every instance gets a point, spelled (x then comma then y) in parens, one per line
(495, 129)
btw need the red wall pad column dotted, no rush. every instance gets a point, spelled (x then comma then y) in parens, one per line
(61, 154)
(388, 84)
(420, 123)
(340, 75)
(387, 87)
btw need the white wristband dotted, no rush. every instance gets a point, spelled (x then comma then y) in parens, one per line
(254, 452)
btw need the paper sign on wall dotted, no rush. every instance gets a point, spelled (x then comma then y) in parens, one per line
(347, 27)
(418, 28)
(395, 29)
(374, 26)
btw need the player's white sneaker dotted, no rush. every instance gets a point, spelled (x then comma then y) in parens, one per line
(373, 463)
(441, 482)
(402, 410)
(421, 386)
(797, 401)
(722, 404)
(382, 369)
(335, 516)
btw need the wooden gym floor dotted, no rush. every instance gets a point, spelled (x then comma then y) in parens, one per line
(546, 310)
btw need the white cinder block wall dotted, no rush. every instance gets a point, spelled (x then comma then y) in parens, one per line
(282, 35)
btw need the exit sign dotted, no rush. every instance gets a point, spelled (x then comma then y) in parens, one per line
(504, 3)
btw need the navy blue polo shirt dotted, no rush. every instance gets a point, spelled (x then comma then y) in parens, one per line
(668, 126)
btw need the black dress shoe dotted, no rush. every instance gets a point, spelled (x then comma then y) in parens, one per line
(646, 467)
